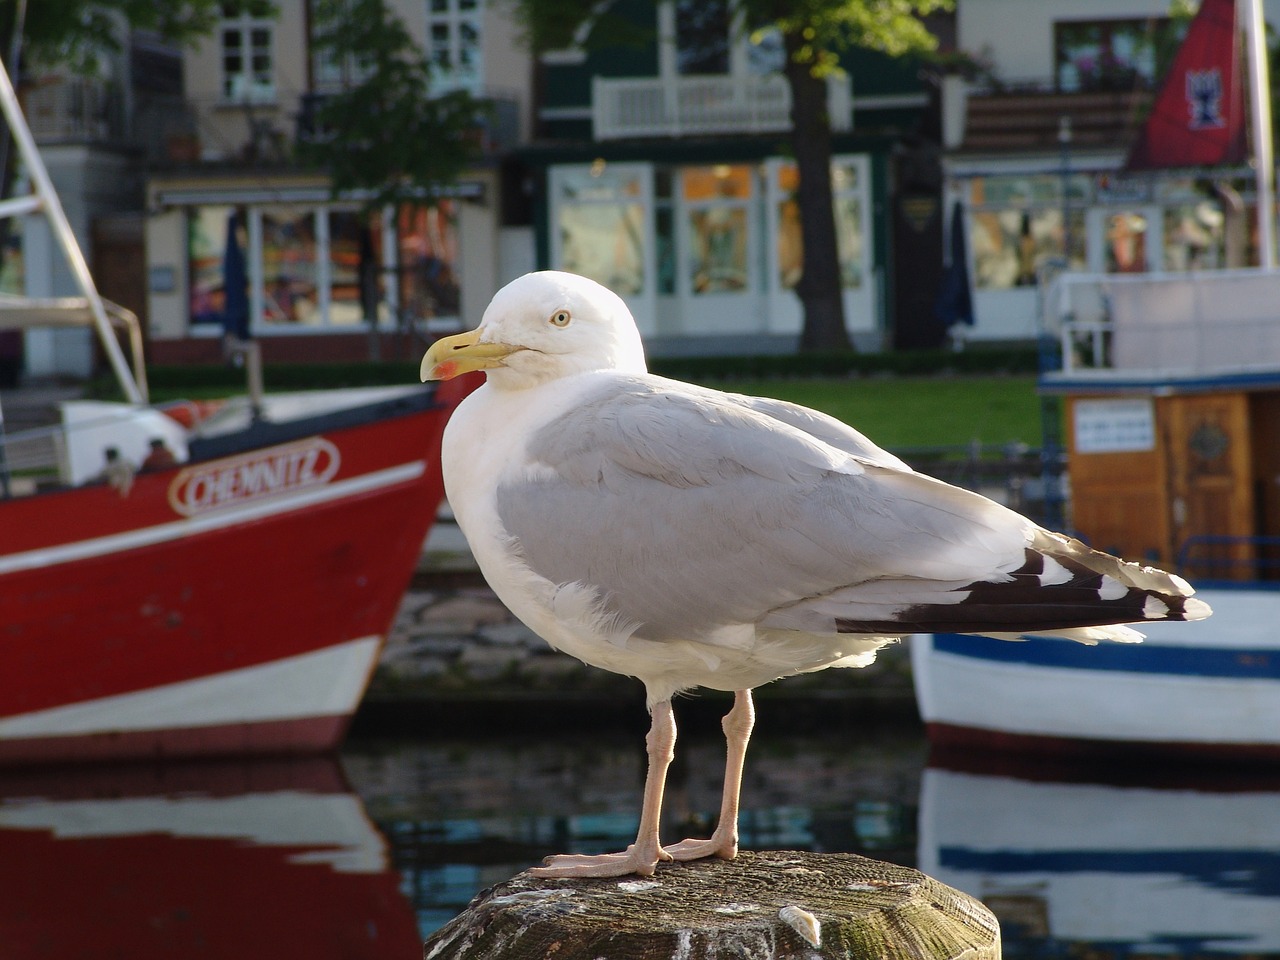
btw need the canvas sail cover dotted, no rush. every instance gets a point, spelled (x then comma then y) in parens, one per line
(1197, 119)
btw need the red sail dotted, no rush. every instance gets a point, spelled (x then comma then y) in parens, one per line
(1198, 116)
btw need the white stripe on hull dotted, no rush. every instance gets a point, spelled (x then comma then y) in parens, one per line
(214, 520)
(1093, 704)
(323, 683)
(330, 828)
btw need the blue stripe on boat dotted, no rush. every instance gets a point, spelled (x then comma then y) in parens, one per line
(1126, 657)
(1252, 872)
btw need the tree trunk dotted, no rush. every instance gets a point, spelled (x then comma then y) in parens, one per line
(819, 288)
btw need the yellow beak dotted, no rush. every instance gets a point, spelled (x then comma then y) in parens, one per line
(450, 357)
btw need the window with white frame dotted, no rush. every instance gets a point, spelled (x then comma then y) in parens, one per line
(718, 202)
(850, 194)
(330, 71)
(454, 45)
(248, 70)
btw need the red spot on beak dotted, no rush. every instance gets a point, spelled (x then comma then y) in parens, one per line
(447, 370)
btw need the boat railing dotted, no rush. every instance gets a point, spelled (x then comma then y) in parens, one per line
(1235, 559)
(39, 458)
(1015, 474)
(1204, 323)
(32, 460)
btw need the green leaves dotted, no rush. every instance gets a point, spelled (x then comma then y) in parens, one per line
(76, 32)
(384, 132)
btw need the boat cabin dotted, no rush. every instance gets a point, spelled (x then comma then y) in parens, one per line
(1171, 396)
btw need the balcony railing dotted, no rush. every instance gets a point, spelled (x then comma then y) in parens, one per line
(651, 107)
(72, 109)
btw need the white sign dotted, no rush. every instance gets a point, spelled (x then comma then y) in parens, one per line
(1115, 426)
(263, 473)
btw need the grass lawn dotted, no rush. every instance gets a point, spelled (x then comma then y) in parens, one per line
(897, 412)
(904, 412)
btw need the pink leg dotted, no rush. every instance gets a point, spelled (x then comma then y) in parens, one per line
(642, 856)
(723, 843)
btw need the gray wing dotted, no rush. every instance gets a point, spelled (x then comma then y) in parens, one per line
(688, 511)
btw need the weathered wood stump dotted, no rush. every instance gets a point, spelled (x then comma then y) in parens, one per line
(800, 906)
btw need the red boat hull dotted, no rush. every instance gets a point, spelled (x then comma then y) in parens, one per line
(236, 604)
(251, 860)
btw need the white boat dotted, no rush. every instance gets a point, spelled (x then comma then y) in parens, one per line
(1212, 691)
(1121, 868)
(1171, 387)
(231, 599)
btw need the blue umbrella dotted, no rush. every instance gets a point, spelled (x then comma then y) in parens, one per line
(235, 310)
(955, 297)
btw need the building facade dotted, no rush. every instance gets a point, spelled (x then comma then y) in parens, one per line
(323, 272)
(663, 170)
(1036, 146)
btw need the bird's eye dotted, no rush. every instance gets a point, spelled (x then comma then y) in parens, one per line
(560, 318)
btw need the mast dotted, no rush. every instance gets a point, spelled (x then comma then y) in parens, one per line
(1260, 105)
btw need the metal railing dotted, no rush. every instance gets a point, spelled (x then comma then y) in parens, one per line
(74, 109)
(1028, 479)
(1216, 557)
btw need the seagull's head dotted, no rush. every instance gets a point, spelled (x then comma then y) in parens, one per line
(541, 327)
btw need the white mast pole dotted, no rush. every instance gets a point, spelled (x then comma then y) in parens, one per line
(1260, 104)
(47, 199)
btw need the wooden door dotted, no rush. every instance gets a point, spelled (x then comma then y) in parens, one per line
(1208, 455)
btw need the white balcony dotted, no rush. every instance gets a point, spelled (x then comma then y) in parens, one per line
(691, 106)
(62, 109)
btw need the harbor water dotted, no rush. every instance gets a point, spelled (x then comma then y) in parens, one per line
(364, 855)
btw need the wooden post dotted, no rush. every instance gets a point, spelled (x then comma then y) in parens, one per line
(800, 906)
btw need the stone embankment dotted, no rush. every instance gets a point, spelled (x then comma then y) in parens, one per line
(454, 644)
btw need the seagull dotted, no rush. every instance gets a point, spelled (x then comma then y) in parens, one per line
(694, 538)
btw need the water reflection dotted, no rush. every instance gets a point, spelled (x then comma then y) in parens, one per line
(246, 860)
(1087, 862)
(366, 858)
(463, 815)
(1174, 863)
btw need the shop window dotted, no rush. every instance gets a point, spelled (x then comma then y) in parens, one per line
(1114, 55)
(848, 199)
(454, 46)
(1126, 242)
(1017, 227)
(717, 201)
(356, 288)
(325, 267)
(601, 223)
(1194, 237)
(429, 262)
(248, 73)
(289, 293)
(1010, 248)
(206, 247)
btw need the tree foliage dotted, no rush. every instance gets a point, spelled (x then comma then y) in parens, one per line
(76, 32)
(383, 132)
